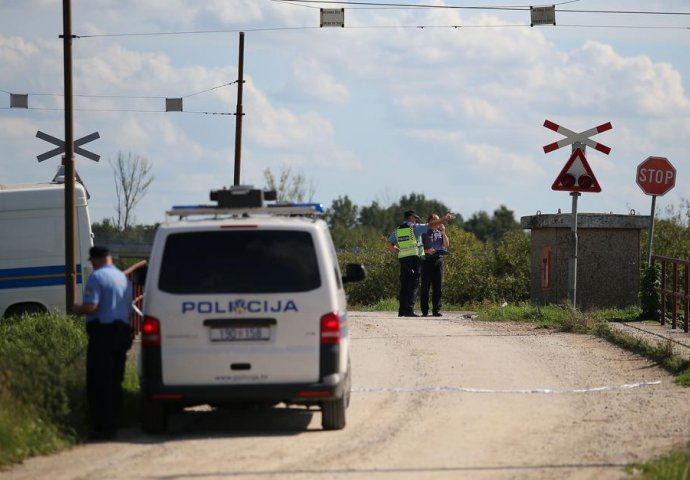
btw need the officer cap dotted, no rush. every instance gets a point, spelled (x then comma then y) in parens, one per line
(411, 213)
(98, 251)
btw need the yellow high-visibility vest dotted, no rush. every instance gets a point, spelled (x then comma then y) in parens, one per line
(407, 242)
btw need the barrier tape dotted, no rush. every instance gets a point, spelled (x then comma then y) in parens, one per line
(532, 391)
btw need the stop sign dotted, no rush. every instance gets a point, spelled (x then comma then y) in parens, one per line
(656, 176)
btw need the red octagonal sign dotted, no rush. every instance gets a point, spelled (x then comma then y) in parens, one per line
(656, 176)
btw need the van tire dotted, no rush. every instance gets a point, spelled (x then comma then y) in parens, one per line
(27, 308)
(333, 414)
(153, 417)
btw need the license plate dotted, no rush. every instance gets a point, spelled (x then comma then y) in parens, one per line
(239, 334)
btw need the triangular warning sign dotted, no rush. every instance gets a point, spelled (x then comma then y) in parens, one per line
(576, 176)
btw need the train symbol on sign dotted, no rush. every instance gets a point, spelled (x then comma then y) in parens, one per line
(576, 176)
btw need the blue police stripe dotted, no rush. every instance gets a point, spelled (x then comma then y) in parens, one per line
(35, 276)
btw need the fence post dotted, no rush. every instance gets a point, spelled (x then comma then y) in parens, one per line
(662, 291)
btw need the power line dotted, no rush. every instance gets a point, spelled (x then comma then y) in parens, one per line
(135, 97)
(195, 32)
(465, 7)
(108, 110)
(381, 27)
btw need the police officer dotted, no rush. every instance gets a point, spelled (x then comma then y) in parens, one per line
(435, 243)
(107, 304)
(406, 241)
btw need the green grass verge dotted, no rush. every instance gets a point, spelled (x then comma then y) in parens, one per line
(662, 353)
(42, 386)
(675, 466)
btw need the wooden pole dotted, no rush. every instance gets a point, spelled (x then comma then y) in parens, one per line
(70, 257)
(238, 112)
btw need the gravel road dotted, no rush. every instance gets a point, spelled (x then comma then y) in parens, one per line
(433, 398)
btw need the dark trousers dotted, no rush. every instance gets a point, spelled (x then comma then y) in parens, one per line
(106, 355)
(432, 277)
(410, 271)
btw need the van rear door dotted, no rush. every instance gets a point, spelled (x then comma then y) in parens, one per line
(237, 305)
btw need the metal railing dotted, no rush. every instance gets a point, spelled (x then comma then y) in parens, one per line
(674, 288)
(134, 274)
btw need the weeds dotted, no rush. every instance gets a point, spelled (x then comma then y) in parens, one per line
(675, 466)
(42, 386)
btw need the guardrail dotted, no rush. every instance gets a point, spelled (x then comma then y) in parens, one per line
(674, 288)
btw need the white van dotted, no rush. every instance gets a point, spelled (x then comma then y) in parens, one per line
(32, 247)
(245, 305)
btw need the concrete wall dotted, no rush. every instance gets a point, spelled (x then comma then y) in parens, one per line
(608, 273)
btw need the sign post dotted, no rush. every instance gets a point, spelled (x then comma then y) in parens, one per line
(576, 177)
(69, 148)
(655, 176)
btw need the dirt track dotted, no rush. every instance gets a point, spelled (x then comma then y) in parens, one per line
(433, 399)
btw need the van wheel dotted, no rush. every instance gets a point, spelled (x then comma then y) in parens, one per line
(333, 414)
(19, 309)
(153, 417)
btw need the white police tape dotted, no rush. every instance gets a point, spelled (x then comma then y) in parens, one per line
(531, 391)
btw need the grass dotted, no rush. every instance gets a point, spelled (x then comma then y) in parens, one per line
(674, 466)
(42, 386)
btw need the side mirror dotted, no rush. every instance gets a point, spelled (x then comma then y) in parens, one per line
(354, 272)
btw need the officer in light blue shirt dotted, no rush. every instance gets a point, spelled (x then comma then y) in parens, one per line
(107, 304)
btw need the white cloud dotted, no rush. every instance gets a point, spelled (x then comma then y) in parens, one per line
(313, 80)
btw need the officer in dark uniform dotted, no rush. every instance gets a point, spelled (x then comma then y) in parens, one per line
(107, 304)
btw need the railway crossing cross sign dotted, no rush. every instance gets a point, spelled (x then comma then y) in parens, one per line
(61, 146)
(573, 137)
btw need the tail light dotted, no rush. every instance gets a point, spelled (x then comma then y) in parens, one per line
(330, 328)
(151, 332)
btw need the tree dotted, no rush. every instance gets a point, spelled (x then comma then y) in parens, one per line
(132, 176)
(480, 224)
(492, 228)
(290, 187)
(342, 213)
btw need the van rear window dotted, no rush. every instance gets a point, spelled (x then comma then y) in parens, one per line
(258, 261)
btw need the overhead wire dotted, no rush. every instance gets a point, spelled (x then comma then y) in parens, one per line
(474, 7)
(107, 110)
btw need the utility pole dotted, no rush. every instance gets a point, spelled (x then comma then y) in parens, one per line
(70, 257)
(238, 112)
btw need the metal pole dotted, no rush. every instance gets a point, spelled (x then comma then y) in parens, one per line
(238, 113)
(650, 234)
(70, 257)
(572, 265)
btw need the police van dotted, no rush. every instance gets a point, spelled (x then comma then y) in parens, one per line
(32, 246)
(244, 304)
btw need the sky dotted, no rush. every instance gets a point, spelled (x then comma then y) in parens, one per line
(445, 102)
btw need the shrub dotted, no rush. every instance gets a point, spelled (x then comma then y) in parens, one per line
(42, 365)
(649, 293)
(475, 270)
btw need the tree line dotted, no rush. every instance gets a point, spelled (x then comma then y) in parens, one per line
(349, 222)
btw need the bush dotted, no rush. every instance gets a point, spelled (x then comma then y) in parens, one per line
(42, 361)
(475, 270)
(649, 293)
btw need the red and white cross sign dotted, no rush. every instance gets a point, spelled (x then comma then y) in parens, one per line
(572, 137)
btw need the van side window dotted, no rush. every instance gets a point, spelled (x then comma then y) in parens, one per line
(239, 261)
